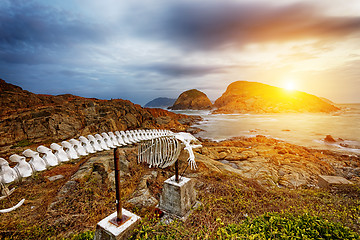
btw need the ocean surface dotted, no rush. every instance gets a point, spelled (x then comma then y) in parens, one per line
(304, 129)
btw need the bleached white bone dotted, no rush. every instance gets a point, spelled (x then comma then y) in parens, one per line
(137, 133)
(158, 133)
(149, 134)
(12, 208)
(136, 136)
(154, 133)
(8, 174)
(69, 149)
(4, 190)
(60, 153)
(144, 135)
(130, 136)
(86, 144)
(119, 138)
(48, 156)
(22, 168)
(80, 150)
(36, 162)
(114, 140)
(107, 140)
(160, 151)
(164, 147)
(94, 143)
(133, 137)
(125, 138)
(101, 142)
(186, 139)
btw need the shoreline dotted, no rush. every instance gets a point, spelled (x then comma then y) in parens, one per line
(309, 130)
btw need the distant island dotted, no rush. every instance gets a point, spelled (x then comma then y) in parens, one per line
(192, 99)
(160, 102)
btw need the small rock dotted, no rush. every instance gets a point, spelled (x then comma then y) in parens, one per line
(330, 181)
(56, 177)
(143, 198)
(329, 139)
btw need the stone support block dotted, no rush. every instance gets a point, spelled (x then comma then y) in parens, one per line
(178, 198)
(105, 230)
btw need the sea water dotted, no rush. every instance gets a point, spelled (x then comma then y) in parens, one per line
(304, 129)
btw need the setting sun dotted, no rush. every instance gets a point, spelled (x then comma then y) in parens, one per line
(289, 85)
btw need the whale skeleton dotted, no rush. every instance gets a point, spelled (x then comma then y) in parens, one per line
(156, 147)
(163, 150)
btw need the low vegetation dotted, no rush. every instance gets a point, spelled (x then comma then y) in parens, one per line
(233, 208)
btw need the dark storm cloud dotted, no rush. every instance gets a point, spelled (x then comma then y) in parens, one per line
(178, 70)
(215, 24)
(30, 33)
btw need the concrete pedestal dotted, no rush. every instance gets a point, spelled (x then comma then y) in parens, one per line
(105, 230)
(178, 198)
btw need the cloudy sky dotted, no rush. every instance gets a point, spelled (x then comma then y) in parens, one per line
(140, 50)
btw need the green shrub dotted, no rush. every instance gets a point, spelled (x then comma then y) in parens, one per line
(286, 226)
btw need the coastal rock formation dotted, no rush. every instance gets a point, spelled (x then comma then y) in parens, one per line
(192, 99)
(27, 118)
(243, 96)
(166, 119)
(329, 139)
(274, 163)
(161, 102)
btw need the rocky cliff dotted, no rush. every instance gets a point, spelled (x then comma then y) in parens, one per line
(27, 118)
(192, 99)
(243, 96)
(160, 102)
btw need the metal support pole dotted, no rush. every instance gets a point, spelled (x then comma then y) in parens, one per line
(117, 184)
(177, 171)
(120, 218)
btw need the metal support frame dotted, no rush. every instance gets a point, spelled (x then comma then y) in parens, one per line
(177, 171)
(120, 218)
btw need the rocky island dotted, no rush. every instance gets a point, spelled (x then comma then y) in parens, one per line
(192, 99)
(160, 102)
(253, 97)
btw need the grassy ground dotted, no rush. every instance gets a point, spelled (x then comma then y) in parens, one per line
(227, 202)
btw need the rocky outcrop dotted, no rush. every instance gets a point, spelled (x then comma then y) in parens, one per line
(166, 119)
(243, 97)
(27, 118)
(192, 99)
(161, 102)
(274, 163)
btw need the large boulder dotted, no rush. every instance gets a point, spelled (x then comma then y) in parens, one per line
(243, 97)
(192, 99)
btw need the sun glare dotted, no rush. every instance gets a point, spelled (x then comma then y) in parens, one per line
(289, 85)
